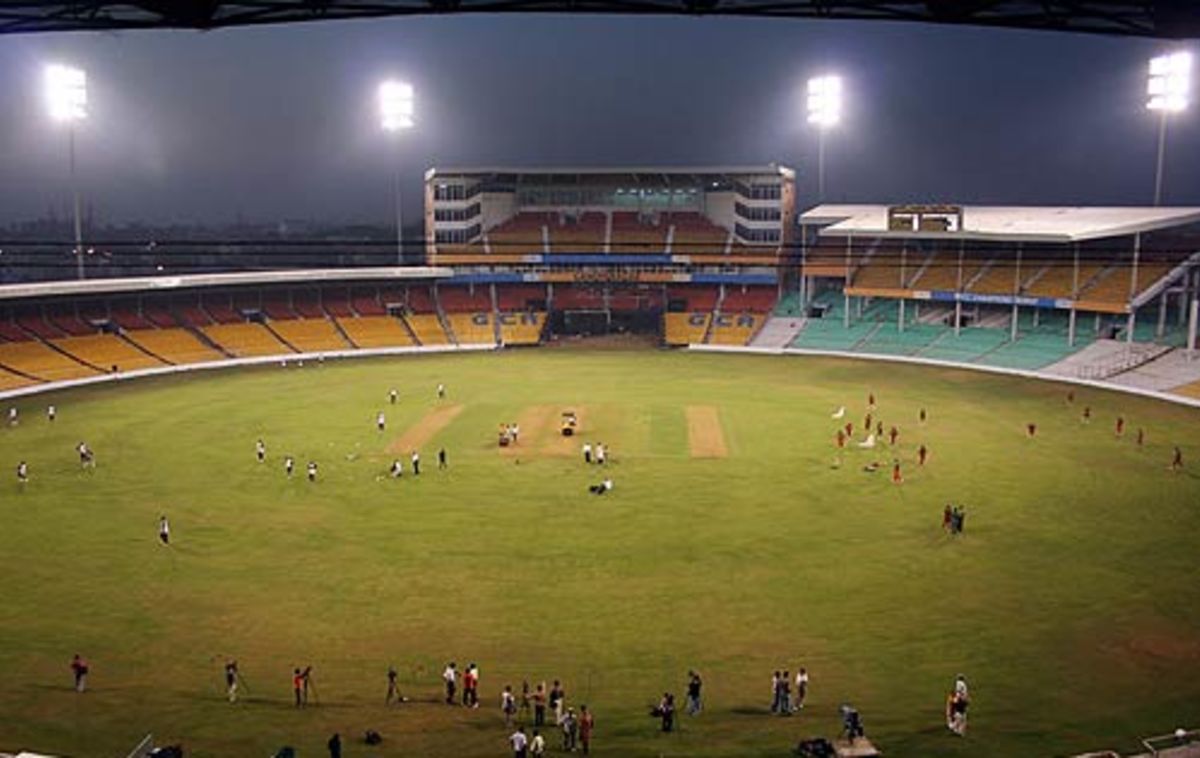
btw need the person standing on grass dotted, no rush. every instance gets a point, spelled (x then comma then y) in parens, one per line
(587, 724)
(947, 517)
(666, 712)
(393, 395)
(537, 746)
(849, 430)
(517, 739)
(441, 459)
(601, 453)
(1087, 414)
(312, 471)
(51, 413)
(380, 421)
(508, 705)
(539, 705)
(1031, 430)
(570, 729)
(164, 530)
(449, 678)
(893, 433)
(897, 477)
(921, 416)
(1177, 460)
(306, 676)
(22, 472)
(260, 450)
(441, 392)
(79, 668)
(1120, 428)
(922, 454)
(297, 687)
(801, 687)
(335, 746)
(879, 429)
(694, 684)
(524, 709)
(13, 416)
(1141, 436)
(416, 463)
(231, 680)
(289, 465)
(775, 693)
(785, 694)
(557, 697)
(468, 682)
(393, 692)
(587, 452)
(397, 470)
(841, 439)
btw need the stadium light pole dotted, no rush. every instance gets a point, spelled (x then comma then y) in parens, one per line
(824, 112)
(396, 110)
(1168, 88)
(66, 99)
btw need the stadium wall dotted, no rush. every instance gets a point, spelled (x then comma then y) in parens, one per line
(784, 351)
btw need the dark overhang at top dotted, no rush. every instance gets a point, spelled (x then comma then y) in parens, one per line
(1164, 19)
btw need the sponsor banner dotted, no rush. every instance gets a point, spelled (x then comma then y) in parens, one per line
(486, 277)
(517, 319)
(748, 320)
(770, 278)
(987, 299)
(606, 259)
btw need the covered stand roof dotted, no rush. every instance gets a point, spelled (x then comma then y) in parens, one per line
(1007, 223)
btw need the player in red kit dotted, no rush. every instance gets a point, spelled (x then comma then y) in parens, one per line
(1120, 425)
(896, 477)
(893, 433)
(921, 455)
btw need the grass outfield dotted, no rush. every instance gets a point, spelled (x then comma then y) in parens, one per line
(1071, 603)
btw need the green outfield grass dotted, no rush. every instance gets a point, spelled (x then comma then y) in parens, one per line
(1072, 602)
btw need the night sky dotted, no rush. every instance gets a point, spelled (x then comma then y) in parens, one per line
(280, 123)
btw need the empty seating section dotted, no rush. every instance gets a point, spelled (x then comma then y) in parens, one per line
(941, 273)
(376, 331)
(521, 328)
(427, 328)
(420, 300)
(472, 328)
(310, 334)
(33, 322)
(307, 304)
(696, 298)
(336, 303)
(129, 318)
(1113, 285)
(1058, 280)
(516, 298)
(11, 332)
(192, 313)
(278, 310)
(177, 345)
(366, 302)
(735, 328)
(463, 300)
(751, 300)
(685, 328)
(106, 351)
(245, 340)
(66, 320)
(574, 298)
(159, 314)
(221, 310)
(632, 233)
(584, 234)
(521, 234)
(1000, 278)
(825, 261)
(40, 360)
(11, 381)
(695, 235)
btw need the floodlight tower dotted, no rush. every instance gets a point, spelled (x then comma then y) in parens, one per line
(66, 100)
(1168, 88)
(396, 110)
(824, 112)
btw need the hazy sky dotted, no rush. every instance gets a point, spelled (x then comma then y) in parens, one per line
(280, 122)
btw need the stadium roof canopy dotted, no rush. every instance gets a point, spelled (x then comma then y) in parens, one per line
(1168, 19)
(612, 172)
(1007, 223)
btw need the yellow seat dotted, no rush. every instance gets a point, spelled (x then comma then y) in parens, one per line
(107, 350)
(427, 328)
(521, 328)
(175, 345)
(37, 359)
(376, 331)
(243, 340)
(472, 328)
(735, 328)
(685, 328)
(310, 334)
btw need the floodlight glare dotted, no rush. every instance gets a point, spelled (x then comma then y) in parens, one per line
(1170, 82)
(396, 107)
(66, 93)
(825, 101)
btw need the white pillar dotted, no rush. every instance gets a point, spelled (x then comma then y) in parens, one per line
(1161, 329)
(957, 317)
(1071, 327)
(1195, 314)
